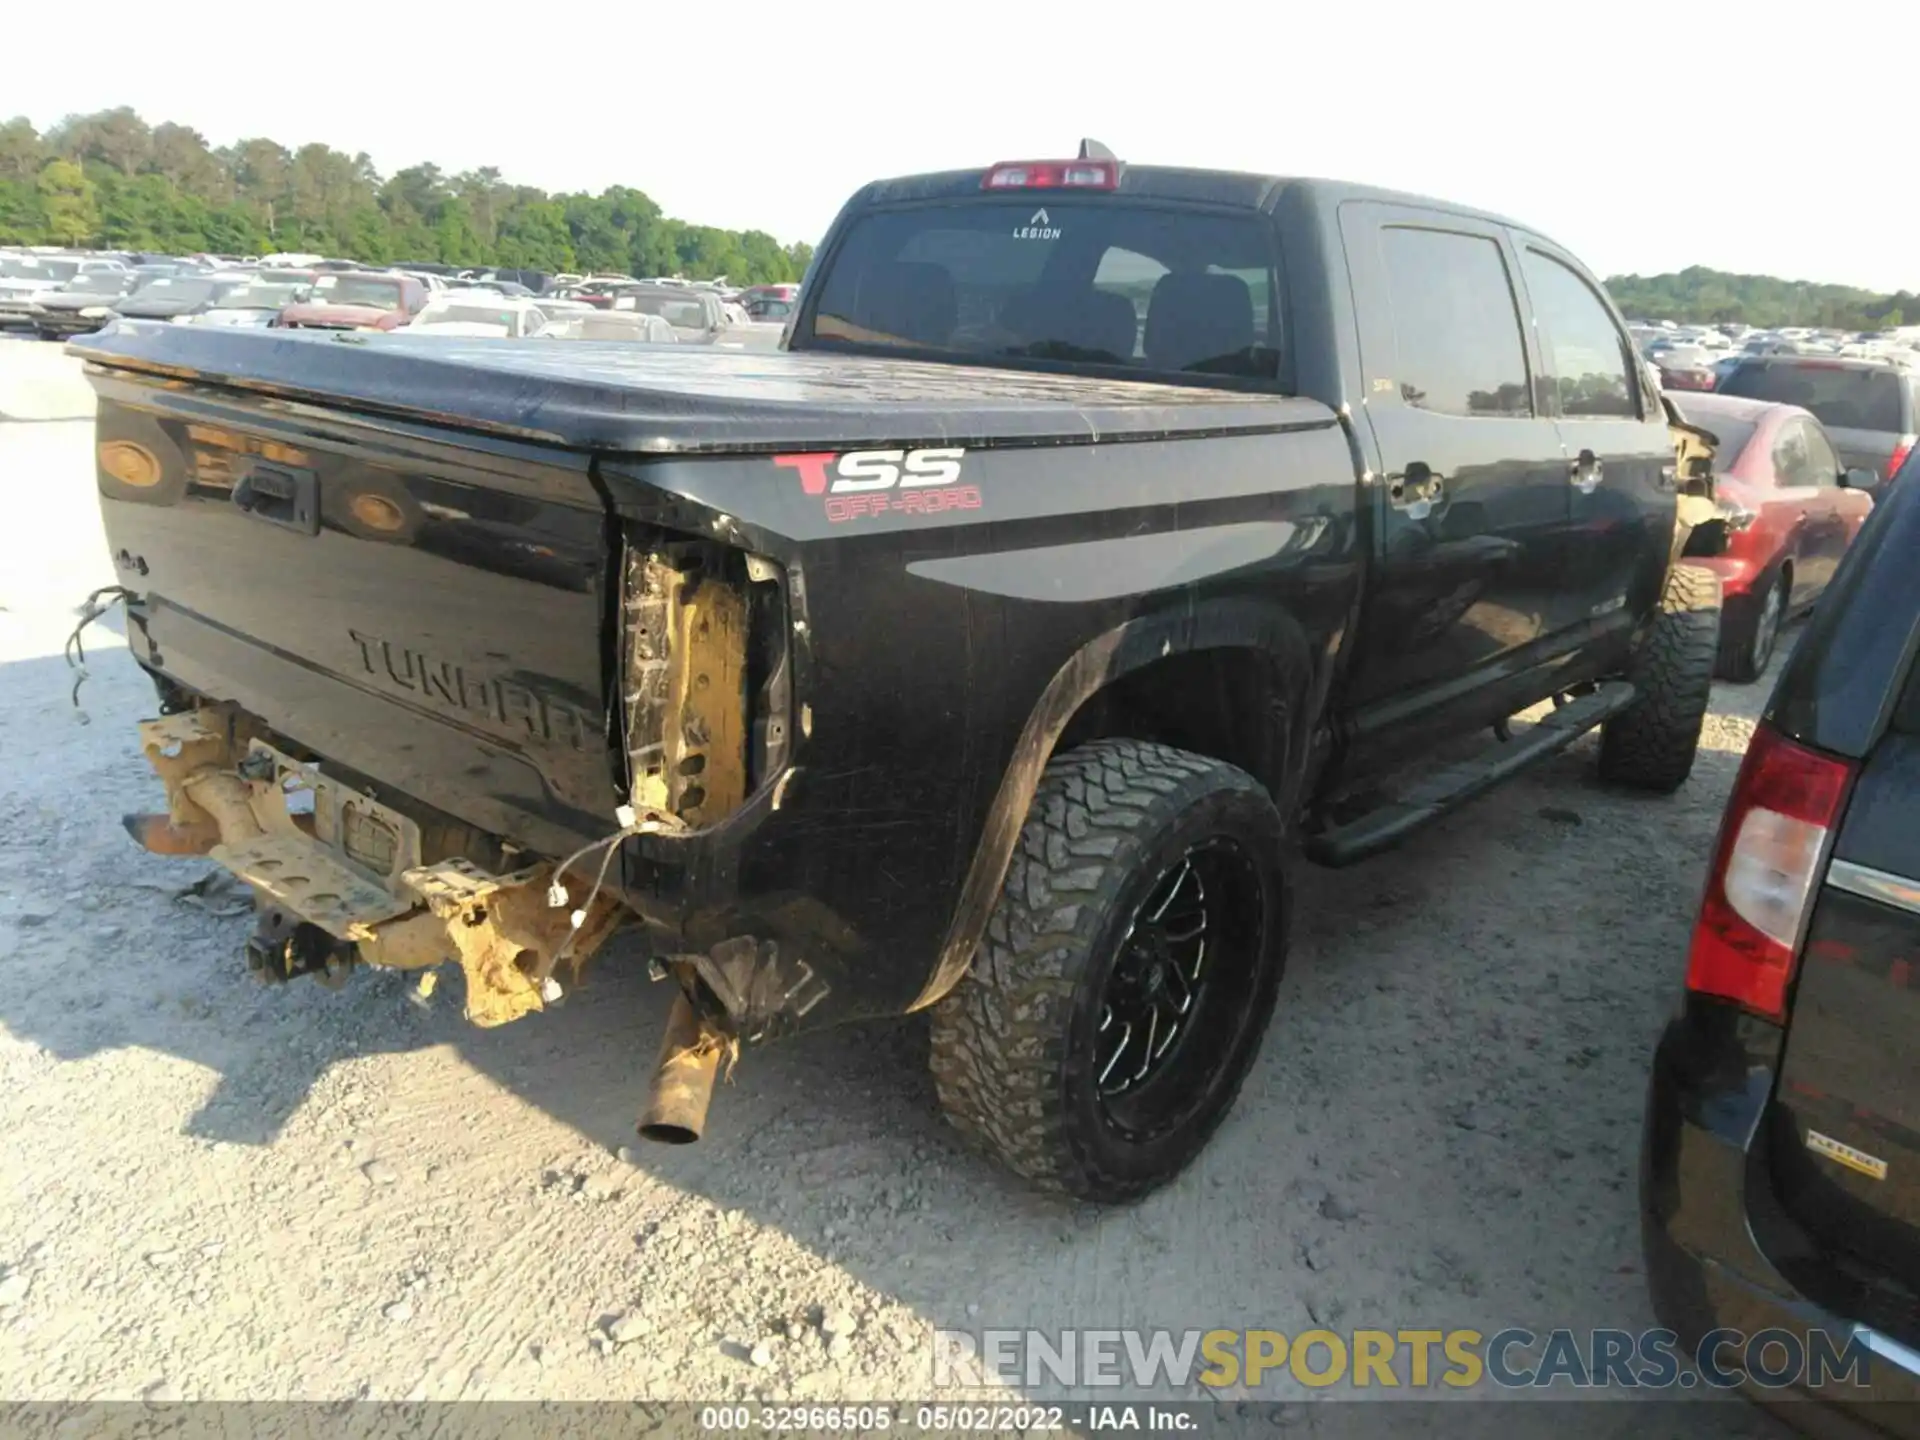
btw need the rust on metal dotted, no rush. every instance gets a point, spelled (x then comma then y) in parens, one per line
(500, 930)
(690, 1054)
(686, 697)
(161, 836)
(352, 866)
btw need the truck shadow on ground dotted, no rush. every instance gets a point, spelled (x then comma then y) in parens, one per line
(1441, 1126)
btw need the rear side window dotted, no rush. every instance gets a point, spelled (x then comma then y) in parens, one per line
(1456, 327)
(1586, 354)
(1165, 292)
(1792, 457)
(1844, 397)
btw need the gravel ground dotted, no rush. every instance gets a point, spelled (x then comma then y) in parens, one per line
(219, 1190)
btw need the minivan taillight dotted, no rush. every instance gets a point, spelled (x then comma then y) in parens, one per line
(1773, 840)
(1902, 448)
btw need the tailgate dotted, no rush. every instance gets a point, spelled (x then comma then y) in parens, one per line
(1847, 1164)
(423, 607)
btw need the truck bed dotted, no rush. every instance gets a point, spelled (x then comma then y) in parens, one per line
(471, 654)
(663, 399)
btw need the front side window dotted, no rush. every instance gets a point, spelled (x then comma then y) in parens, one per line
(1456, 328)
(1585, 352)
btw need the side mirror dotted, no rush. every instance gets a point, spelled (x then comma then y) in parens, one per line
(1859, 478)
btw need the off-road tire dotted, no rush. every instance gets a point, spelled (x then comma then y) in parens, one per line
(1012, 1052)
(1651, 744)
(1740, 631)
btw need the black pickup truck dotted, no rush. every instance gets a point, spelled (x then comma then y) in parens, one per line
(1106, 538)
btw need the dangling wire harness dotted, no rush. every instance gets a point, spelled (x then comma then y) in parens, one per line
(630, 825)
(91, 609)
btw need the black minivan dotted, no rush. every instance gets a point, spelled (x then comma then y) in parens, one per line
(1780, 1166)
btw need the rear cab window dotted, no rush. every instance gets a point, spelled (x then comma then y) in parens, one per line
(1843, 397)
(1160, 291)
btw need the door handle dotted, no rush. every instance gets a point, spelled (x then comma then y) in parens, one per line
(280, 495)
(1586, 472)
(1416, 490)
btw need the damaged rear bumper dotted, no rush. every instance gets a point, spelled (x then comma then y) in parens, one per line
(342, 878)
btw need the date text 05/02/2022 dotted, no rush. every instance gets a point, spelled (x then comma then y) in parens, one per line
(944, 1419)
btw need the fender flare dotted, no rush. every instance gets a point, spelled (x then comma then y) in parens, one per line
(1215, 625)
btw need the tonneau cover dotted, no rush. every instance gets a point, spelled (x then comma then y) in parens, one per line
(668, 399)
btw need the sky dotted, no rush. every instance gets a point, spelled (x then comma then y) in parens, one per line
(1643, 136)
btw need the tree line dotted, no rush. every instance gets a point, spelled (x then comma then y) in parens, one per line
(1701, 296)
(109, 180)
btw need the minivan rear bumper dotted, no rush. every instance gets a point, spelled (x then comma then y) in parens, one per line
(1703, 1193)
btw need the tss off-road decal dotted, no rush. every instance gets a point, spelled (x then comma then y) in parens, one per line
(881, 482)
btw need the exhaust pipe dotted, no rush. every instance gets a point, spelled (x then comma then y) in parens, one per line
(158, 834)
(682, 1090)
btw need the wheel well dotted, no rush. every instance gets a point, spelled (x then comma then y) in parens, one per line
(1226, 703)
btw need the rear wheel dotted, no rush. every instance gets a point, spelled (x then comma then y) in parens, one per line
(1651, 744)
(1126, 976)
(1746, 647)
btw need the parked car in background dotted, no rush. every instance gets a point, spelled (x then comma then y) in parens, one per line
(357, 300)
(591, 324)
(1871, 408)
(1780, 1145)
(22, 277)
(698, 317)
(1724, 366)
(767, 308)
(555, 308)
(177, 297)
(83, 304)
(1792, 510)
(256, 302)
(785, 294)
(1685, 367)
(487, 287)
(475, 312)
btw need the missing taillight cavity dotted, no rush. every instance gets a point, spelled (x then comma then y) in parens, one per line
(1772, 843)
(706, 685)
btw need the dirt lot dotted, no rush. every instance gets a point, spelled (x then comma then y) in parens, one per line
(219, 1190)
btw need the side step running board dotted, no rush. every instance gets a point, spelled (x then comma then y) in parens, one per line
(1448, 789)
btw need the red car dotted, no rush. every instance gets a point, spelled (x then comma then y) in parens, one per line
(357, 300)
(1793, 511)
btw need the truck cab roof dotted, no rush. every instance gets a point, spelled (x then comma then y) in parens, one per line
(1173, 183)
